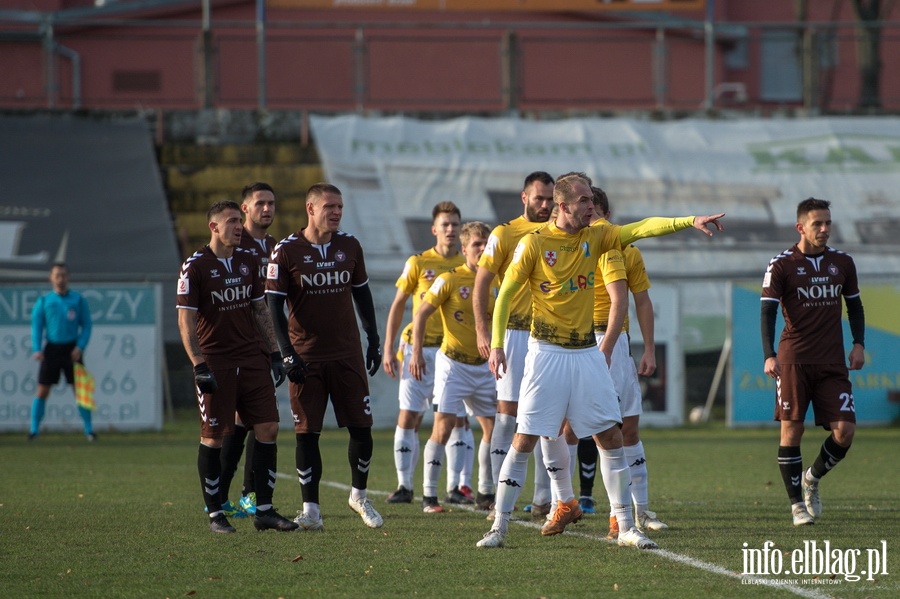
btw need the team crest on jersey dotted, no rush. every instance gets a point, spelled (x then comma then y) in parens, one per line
(464, 292)
(832, 270)
(340, 256)
(184, 286)
(429, 274)
(550, 257)
(272, 271)
(245, 270)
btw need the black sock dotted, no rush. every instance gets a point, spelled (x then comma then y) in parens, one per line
(249, 484)
(791, 465)
(829, 455)
(209, 467)
(587, 465)
(232, 448)
(265, 458)
(309, 466)
(359, 454)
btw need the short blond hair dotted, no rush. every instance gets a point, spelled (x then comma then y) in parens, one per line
(563, 191)
(473, 228)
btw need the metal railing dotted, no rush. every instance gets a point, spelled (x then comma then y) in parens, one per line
(448, 67)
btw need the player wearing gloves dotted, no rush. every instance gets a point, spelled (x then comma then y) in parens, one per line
(321, 273)
(228, 336)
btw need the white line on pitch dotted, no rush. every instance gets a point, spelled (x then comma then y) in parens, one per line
(669, 555)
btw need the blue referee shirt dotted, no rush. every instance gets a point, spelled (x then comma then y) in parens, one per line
(64, 319)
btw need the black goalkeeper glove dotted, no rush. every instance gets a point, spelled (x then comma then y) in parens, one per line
(373, 355)
(279, 372)
(295, 367)
(204, 378)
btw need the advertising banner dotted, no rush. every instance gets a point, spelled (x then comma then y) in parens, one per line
(124, 356)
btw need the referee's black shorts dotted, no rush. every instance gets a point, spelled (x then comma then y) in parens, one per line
(57, 358)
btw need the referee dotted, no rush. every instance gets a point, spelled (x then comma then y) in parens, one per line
(63, 318)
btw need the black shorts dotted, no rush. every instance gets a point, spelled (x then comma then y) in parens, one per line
(57, 358)
(825, 386)
(344, 381)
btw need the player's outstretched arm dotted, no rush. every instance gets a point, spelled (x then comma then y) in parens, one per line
(703, 222)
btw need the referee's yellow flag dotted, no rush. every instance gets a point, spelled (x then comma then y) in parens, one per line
(84, 387)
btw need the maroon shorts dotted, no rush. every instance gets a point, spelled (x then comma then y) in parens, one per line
(247, 389)
(825, 386)
(344, 381)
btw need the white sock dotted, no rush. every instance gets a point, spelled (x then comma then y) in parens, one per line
(405, 451)
(617, 479)
(357, 494)
(456, 456)
(637, 464)
(512, 477)
(465, 475)
(501, 440)
(434, 461)
(485, 476)
(312, 510)
(573, 458)
(542, 493)
(557, 466)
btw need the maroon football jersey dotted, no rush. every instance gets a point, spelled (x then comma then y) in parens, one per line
(221, 292)
(317, 281)
(261, 248)
(810, 290)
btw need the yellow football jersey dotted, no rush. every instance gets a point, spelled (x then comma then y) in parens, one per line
(451, 294)
(419, 273)
(559, 268)
(497, 256)
(615, 266)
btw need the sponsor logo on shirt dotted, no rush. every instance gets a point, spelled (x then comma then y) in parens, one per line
(234, 280)
(214, 273)
(326, 279)
(231, 294)
(327, 264)
(307, 259)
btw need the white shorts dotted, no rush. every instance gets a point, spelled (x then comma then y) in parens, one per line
(625, 377)
(415, 396)
(460, 388)
(515, 346)
(564, 383)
